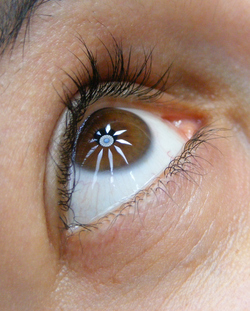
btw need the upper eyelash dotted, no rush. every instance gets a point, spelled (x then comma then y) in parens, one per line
(122, 80)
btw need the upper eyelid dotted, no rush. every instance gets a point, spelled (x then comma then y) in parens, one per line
(116, 71)
(119, 68)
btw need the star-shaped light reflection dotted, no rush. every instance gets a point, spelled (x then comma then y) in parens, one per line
(106, 138)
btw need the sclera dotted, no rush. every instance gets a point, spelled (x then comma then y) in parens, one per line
(95, 195)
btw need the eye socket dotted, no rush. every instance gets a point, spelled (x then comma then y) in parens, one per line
(100, 163)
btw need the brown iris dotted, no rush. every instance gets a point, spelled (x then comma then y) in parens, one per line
(112, 138)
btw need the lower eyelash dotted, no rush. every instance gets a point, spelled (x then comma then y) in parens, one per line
(186, 165)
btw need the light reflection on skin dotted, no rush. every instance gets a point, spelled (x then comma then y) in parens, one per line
(182, 246)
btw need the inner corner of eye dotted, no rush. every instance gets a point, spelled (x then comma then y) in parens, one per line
(187, 127)
(118, 152)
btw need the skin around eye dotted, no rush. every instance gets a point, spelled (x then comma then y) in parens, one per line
(146, 149)
(184, 247)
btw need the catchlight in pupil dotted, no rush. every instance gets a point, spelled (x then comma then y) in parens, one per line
(118, 152)
(110, 139)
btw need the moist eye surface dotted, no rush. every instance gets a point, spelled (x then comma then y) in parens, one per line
(118, 151)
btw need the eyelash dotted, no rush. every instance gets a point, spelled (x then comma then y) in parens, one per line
(121, 81)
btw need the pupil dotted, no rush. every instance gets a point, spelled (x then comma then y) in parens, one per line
(106, 141)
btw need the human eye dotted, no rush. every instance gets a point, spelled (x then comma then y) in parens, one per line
(120, 140)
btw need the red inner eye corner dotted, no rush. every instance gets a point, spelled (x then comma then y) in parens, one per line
(186, 121)
(187, 126)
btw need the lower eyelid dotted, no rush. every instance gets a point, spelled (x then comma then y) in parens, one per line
(184, 166)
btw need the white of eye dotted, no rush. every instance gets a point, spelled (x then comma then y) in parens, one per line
(100, 192)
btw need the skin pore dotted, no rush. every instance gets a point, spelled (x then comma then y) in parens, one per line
(187, 249)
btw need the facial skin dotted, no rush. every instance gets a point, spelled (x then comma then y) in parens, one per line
(185, 251)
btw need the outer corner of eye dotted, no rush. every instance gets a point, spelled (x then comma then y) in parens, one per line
(98, 164)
